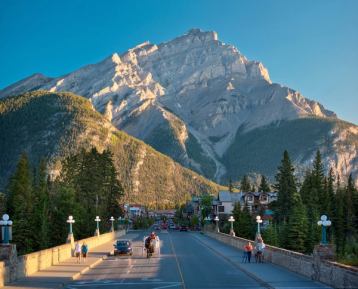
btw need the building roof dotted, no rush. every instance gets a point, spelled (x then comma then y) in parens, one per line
(226, 196)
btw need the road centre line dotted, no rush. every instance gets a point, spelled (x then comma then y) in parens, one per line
(177, 261)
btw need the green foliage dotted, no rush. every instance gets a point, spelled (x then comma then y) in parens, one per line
(206, 205)
(93, 177)
(264, 185)
(259, 150)
(55, 126)
(297, 225)
(245, 185)
(20, 206)
(142, 222)
(244, 225)
(286, 187)
(270, 235)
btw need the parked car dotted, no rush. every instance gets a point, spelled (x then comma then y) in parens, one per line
(157, 227)
(183, 228)
(123, 247)
(172, 227)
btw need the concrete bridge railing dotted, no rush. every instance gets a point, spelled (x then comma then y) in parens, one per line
(21, 266)
(331, 273)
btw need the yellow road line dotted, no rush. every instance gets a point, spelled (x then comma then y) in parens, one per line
(177, 261)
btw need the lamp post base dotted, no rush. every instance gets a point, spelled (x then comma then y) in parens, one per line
(70, 240)
(232, 233)
(96, 233)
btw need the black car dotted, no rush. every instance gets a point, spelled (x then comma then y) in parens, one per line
(123, 247)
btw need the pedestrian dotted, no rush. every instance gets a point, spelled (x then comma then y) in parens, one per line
(248, 250)
(78, 252)
(260, 246)
(84, 251)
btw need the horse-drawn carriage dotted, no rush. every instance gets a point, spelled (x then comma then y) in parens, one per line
(151, 245)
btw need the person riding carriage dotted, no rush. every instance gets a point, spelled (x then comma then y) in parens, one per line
(150, 243)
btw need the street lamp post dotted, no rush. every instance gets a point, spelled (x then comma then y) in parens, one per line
(232, 220)
(258, 221)
(324, 222)
(6, 229)
(97, 229)
(112, 220)
(217, 224)
(70, 221)
(120, 223)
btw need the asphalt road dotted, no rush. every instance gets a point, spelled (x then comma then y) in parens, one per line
(183, 262)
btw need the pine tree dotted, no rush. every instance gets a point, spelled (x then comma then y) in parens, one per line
(339, 220)
(237, 214)
(309, 198)
(264, 186)
(286, 188)
(270, 235)
(318, 184)
(348, 208)
(330, 193)
(41, 210)
(230, 186)
(3, 209)
(245, 184)
(246, 224)
(297, 225)
(20, 206)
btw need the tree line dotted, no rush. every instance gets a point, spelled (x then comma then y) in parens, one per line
(39, 207)
(299, 207)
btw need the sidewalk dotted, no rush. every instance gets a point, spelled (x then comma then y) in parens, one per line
(270, 275)
(57, 276)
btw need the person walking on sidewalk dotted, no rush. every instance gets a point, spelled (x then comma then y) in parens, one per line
(84, 251)
(78, 252)
(248, 250)
(260, 247)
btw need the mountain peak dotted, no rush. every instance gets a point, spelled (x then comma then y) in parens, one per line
(204, 35)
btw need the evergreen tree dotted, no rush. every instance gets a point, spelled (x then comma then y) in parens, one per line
(348, 208)
(41, 210)
(318, 184)
(245, 184)
(245, 224)
(297, 225)
(309, 198)
(264, 185)
(20, 206)
(339, 220)
(2, 204)
(330, 193)
(63, 204)
(230, 186)
(270, 235)
(286, 188)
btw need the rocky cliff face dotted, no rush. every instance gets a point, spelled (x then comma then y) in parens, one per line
(191, 97)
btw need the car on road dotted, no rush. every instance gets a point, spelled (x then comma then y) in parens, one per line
(157, 227)
(184, 228)
(172, 227)
(123, 247)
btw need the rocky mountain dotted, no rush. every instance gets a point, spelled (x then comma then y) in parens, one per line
(203, 103)
(54, 125)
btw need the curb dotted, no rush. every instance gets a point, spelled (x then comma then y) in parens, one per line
(262, 282)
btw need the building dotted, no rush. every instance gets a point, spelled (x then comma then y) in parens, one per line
(255, 201)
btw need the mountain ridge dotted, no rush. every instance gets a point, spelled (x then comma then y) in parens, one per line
(194, 89)
(55, 125)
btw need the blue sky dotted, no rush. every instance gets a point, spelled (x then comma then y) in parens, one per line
(308, 45)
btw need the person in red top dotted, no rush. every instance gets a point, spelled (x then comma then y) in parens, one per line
(248, 249)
